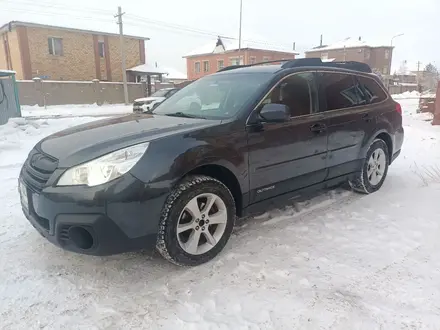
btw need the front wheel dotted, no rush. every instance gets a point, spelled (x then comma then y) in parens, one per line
(374, 169)
(196, 221)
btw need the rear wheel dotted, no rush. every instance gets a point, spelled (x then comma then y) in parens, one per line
(374, 169)
(196, 221)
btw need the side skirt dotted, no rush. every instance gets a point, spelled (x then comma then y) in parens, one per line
(288, 198)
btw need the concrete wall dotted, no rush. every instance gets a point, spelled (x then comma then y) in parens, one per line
(40, 92)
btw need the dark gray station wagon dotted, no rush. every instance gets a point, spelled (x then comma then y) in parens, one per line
(176, 178)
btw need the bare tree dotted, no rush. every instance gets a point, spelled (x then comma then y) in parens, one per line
(430, 77)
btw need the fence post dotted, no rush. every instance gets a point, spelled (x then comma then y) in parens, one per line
(38, 85)
(144, 88)
(97, 91)
(436, 120)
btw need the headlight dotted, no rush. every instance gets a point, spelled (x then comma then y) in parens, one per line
(105, 168)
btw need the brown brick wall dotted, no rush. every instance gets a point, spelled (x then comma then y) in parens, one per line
(213, 60)
(14, 50)
(132, 56)
(78, 61)
(3, 62)
(376, 58)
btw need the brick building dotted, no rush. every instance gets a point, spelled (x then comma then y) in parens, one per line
(58, 53)
(219, 54)
(378, 57)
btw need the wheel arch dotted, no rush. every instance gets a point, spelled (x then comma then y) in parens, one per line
(224, 175)
(381, 135)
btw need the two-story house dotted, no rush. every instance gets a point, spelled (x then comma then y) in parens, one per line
(221, 53)
(378, 57)
(59, 53)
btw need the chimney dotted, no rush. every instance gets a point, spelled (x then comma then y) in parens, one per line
(320, 42)
(294, 44)
(360, 38)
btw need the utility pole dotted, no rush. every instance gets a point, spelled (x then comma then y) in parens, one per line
(121, 36)
(239, 31)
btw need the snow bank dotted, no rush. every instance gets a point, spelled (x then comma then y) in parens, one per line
(406, 95)
(337, 261)
(74, 110)
(19, 135)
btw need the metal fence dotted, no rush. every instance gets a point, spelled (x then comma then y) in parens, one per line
(9, 104)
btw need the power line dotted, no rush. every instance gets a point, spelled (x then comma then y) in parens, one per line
(98, 11)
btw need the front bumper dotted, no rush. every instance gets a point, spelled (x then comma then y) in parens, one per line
(141, 107)
(117, 217)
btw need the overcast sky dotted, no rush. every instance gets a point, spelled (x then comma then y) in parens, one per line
(186, 24)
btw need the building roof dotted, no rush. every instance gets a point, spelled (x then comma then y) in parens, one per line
(147, 69)
(347, 43)
(8, 26)
(6, 73)
(170, 73)
(221, 45)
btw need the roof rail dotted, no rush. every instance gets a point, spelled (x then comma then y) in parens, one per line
(351, 65)
(238, 66)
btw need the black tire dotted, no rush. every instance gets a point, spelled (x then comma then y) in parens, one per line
(167, 241)
(361, 182)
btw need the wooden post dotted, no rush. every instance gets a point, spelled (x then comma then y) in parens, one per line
(436, 120)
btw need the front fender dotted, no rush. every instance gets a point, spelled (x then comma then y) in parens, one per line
(168, 160)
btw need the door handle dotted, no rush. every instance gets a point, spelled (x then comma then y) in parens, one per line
(367, 118)
(318, 128)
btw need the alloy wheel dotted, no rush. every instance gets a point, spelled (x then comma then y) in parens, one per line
(202, 223)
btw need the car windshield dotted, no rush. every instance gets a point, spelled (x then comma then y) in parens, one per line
(214, 97)
(161, 93)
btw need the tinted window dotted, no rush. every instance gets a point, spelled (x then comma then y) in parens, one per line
(341, 91)
(372, 90)
(298, 92)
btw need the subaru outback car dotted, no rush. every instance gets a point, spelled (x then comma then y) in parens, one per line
(176, 179)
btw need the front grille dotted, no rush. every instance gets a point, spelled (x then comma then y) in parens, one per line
(37, 170)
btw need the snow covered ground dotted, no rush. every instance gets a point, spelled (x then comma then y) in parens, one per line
(75, 110)
(338, 261)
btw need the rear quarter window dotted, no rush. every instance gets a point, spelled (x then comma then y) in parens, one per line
(374, 93)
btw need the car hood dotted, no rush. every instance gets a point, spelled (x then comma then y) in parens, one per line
(85, 142)
(151, 98)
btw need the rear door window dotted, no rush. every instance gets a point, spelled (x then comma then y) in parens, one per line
(374, 93)
(340, 91)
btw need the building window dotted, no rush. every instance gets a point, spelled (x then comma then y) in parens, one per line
(385, 70)
(197, 67)
(387, 54)
(252, 60)
(101, 48)
(220, 64)
(55, 46)
(324, 56)
(266, 58)
(205, 66)
(235, 61)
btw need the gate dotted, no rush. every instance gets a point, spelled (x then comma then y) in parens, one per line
(9, 103)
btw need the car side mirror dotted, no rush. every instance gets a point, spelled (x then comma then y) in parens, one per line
(275, 113)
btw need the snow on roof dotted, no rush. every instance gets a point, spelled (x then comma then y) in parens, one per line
(346, 43)
(172, 73)
(232, 44)
(7, 72)
(147, 68)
